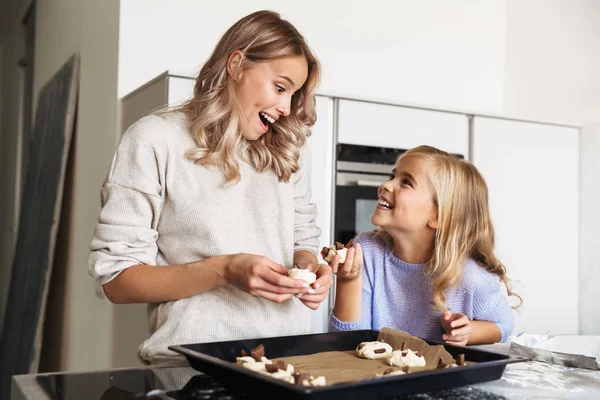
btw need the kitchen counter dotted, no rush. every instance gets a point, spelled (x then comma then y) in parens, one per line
(525, 380)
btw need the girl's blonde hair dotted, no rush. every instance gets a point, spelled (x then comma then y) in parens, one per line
(214, 112)
(465, 228)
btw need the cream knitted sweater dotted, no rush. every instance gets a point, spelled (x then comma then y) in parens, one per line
(159, 208)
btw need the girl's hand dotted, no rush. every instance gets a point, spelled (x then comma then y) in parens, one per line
(352, 266)
(320, 288)
(457, 327)
(262, 277)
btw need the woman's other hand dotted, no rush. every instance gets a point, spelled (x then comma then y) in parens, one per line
(262, 277)
(320, 288)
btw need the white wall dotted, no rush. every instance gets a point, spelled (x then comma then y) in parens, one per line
(434, 52)
(553, 60)
(91, 28)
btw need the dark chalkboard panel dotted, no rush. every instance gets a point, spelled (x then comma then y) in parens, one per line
(38, 225)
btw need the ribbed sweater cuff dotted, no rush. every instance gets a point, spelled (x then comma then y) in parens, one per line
(336, 325)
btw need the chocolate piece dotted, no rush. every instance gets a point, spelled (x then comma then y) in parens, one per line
(244, 354)
(360, 346)
(258, 352)
(339, 246)
(282, 365)
(379, 351)
(460, 359)
(402, 346)
(300, 379)
(404, 353)
(324, 251)
(419, 354)
(271, 367)
(441, 364)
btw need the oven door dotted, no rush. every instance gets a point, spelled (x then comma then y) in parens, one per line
(355, 200)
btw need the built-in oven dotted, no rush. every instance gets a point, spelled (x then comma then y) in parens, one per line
(359, 172)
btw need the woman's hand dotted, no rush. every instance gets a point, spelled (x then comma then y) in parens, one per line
(262, 277)
(352, 266)
(320, 288)
(457, 327)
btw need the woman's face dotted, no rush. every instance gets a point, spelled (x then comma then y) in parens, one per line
(405, 202)
(264, 91)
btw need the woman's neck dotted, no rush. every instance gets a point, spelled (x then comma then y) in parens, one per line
(413, 249)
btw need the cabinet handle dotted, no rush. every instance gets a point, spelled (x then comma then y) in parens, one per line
(365, 183)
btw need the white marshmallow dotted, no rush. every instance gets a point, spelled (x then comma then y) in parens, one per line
(304, 274)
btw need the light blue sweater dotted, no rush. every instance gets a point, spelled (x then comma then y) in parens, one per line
(396, 294)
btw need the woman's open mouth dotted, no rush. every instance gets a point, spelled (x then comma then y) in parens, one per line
(265, 120)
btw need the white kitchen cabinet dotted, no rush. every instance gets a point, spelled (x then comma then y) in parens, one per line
(589, 275)
(167, 89)
(322, 144)
(532, 172)
(382, 125)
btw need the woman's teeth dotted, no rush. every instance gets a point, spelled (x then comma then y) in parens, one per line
(384, 203)
(265, 116)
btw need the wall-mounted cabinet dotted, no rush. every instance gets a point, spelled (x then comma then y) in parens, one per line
(532, 172)
(383, 125)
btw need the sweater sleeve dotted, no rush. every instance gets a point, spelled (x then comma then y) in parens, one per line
(306, 232)
(131, 200)
(490, 303)
(365, 321)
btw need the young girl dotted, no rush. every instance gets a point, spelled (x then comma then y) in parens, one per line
(431, 269)
(206, 207)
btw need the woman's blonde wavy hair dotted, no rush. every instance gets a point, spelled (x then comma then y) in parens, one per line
(214, 112)
(465, 228)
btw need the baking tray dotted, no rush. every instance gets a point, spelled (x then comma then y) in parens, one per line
(218, 360)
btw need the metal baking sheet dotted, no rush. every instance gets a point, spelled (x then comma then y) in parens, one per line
(218, 360)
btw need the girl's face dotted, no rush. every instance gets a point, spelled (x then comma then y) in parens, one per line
(405, 204)
(264, 91)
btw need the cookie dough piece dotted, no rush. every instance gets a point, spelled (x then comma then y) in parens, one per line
(280, 366)
(251, 360)
(304, 274)
(308, 380)
(406, 358)
(256, 366)
(329, 252)
(285, 366)
(373, 350)
(318, 381)
(252, 364)
(244, 360)
(392, 372)
(283, 376)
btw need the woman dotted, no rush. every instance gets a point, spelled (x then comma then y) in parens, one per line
(206, 207)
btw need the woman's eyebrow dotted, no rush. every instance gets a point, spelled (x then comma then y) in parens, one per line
(288, 79)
